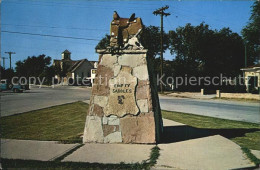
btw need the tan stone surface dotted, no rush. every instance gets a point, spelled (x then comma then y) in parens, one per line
(141, 72)
(138, 129)
(93, 130)
(101, 86)
(122, 94)
(114, 137)
(132, 60)
(97, 110)
(101, 100)
(142, 89)
(150, 103)
(107, 129)
(143, 105)
(108, 60)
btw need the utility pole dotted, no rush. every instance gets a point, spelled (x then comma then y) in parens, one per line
(10, 57)
(245, 56)
(4, 61)
(161, 12)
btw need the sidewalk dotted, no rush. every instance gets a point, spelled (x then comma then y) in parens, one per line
(33, 150)
(193, 95)
(211, 152)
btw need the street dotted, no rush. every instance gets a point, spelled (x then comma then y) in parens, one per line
(37, 98)
(233, 110)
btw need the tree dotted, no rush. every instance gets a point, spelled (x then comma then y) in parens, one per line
(7, 73)
(48, 74)
(33, 66)
(103, 43)
(151, 40)
(200, 51)
(251, 34)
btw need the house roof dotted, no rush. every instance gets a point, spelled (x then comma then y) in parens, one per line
(76, 65)
(66, 51)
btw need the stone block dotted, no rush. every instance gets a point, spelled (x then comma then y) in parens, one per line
(142, 89)
(101, 100)
(132, 60)
(141, 72)
(122, 95)
(97, 110)
(143, 105)
(108, 60)
(113, 120)
(100, 85)
(138, 129)
(107, 129)
(115, 137)
(93, 131)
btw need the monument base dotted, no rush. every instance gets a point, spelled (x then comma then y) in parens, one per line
(124, 106)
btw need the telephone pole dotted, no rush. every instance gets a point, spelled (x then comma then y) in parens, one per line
(10, 57)
(4, 61)
(161, 12)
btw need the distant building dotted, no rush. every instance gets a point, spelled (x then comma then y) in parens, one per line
(70, 70)
(252, 77)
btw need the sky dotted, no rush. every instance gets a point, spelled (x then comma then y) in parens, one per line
(83, 23)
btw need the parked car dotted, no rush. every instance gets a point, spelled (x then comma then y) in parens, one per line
(6, 85)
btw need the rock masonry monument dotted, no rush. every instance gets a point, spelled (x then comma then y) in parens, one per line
(124, 105)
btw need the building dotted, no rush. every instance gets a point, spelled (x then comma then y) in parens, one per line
(72, 71)
(252, 77)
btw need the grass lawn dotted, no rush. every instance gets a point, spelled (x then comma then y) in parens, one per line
(66, 123)
(30, 164)
(250, 140)
(60, 123)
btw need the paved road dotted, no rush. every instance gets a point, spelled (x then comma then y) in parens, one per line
(234, 110)
(37, 98)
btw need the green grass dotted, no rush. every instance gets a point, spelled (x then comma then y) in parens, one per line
(60, 123)
(250, 140)
(207, 122)
(155, 153)
(30, 164)
(251, 156)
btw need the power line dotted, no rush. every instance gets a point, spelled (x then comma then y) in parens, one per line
(48, 35)
(55, 27)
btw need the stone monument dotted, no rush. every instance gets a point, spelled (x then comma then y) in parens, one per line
(124, 105)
